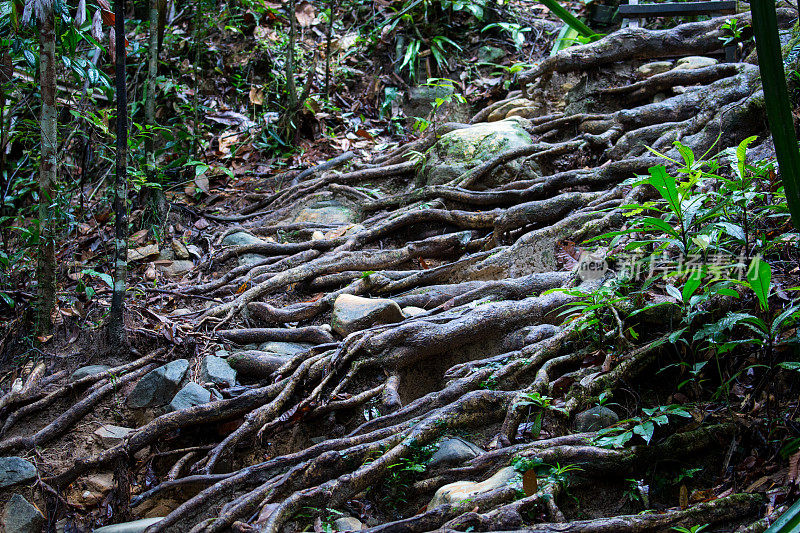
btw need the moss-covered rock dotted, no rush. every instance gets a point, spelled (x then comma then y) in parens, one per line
(462, 150)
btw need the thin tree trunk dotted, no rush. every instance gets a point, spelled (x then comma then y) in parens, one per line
(328, 38)
(150, 97)
(116, 325)
(46, 266)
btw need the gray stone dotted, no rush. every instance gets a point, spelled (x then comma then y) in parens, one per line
(21, 516)
(418, 102)
(490, 54)
(190, 395)
(176, 267)
(109, 435)
(15, 470)
(656, 67)
(693, 62)
(347, 523)
(502, 111)
(454, 451)
(330, 212)
(250, 259)
(216, 370)
(461, 150)
(159, 385)
(137, 526)
(90, 370)
(411, 311)
(256, 364)
(354, 313)
(285, 348)
(240, 238)
(594, 419)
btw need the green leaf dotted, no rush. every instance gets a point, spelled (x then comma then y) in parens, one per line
(666, 187)
(692, 284)
(741, 155)
(645, 430)
(790, 365)
(759, 276)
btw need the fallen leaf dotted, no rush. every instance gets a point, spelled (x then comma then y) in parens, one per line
(226, 140)
(256, 95)
(201, 224)
(794, 466)
(529, 482)
(683, 498)
(304, 12)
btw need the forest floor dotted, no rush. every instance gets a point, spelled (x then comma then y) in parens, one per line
(415, 347)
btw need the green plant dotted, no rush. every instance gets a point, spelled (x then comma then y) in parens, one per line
(693, 529)
(538, 403)
(776, 98)
(514, 30)
(643, 426)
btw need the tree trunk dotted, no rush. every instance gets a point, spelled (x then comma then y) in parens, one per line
(46, 266)
(116, 325)
(150, 97)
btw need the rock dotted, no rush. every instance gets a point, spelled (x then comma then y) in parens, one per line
(501, 112)
(317, 235)
(15, 470)
(411, 311)
(21, 517)
(90, 370)
(354, 313)
(217, 370)
(250, 259)
(330, 212)
(462, 490)
(180, 249)
(347, 523)
(526, 112)
(418, 102)
(464, 149)
(142, 253)
(490, 54)
(93, 489)
(454, 451)
(594, 419)
(159, 385)
(177, 267)
(137, 526)
(651, 69)
(285, 348)
(110, 436)
(693, 62)
(256, 364)
(190, 395)
(240, 238)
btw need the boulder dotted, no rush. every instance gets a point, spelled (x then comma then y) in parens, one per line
(490, 54)
(501, 112)
(216, 370)
(347, 523)
(176, 267)
(190, 395)
(256, 364)
(693, 62)
(526, 112)
(463, 490)
(653, 68)
(594, 419)
(412, 311)
(15, 470)
(454, 451)
(419, 102)
(461, 150)
(158, 386)
(240, 238)
(137, 526)
(329, 212)
(110, 436)
(20, 516)
(90, 370)
(354, 313)
(285, 348)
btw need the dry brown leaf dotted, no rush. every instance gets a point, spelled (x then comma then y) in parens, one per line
(256, 95)
(757, 483)
(794, 469)
(529, 482)
(226, 141)
(304, 12)
(683, 497)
